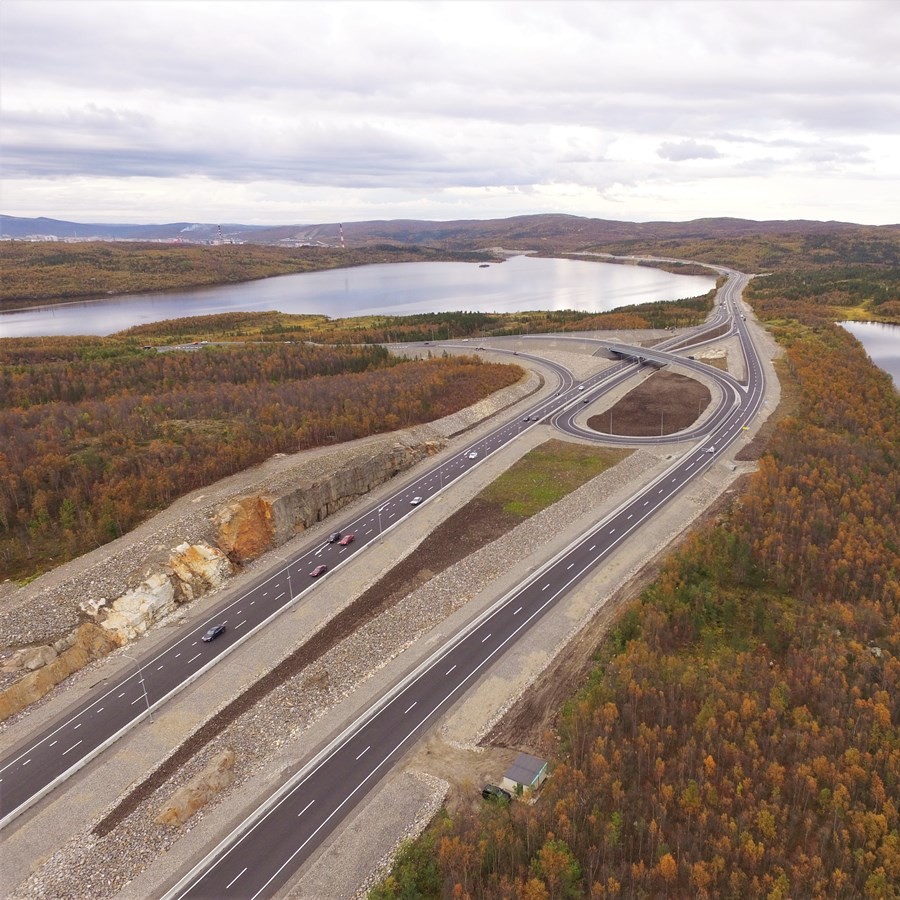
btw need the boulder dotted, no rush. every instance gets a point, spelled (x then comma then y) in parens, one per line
(199, 791)
(38, 657)
(199, 568)
(29, 658)
(136, 610)
(92, 606)
(91, 642)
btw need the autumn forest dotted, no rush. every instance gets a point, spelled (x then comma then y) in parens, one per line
(96, 433)
(740, 733)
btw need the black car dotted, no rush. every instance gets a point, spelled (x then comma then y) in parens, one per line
(214, 632)
(492, 792)
(334, 537)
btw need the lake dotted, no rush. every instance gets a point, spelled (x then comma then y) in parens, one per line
(521, 283)
(882, 343)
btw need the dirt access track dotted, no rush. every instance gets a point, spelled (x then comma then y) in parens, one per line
(513, 707)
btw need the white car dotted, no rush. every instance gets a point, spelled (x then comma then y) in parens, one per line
(709, 450)
(472, 455)
(415, 501)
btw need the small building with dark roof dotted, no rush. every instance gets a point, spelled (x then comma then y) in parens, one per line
(525, 775)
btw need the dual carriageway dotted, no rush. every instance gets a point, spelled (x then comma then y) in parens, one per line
(263, 851)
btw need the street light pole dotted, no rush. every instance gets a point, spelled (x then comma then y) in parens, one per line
(380, 508)
(143, 685)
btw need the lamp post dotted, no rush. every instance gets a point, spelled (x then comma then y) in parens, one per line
(143, 685)
(290, 589)
(380, 508)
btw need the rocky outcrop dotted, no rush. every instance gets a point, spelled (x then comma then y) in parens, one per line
(198, 568)
(245, 528)
(251, 525)
(193, 570)
(29, 658)
(136, 610)
(90, 642)
(194, 795)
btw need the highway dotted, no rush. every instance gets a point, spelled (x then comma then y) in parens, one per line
(48, 758)
(264, 850)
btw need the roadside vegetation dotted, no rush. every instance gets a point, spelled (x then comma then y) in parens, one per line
(97, 434)
(740, 732)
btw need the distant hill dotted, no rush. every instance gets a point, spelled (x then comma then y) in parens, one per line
(17, 227)
(550, 232)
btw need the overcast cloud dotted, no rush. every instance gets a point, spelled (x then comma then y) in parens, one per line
(300, 112)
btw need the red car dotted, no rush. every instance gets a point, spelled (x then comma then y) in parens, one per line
(317, 571)
(346, 539)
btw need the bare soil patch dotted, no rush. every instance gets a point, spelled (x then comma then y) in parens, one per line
(663, 404)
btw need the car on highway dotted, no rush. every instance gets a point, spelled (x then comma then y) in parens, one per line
(472, 455)
(415, 501)
(492, 792)
(317, 571)
(709, 449)
(334, 537)
(214, 632)
(347, 539)
(580, 387)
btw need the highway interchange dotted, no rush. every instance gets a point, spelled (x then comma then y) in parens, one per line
(263, 852)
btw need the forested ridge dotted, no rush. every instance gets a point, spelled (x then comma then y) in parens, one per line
(740, 734)
(813, 277)
(43, 271)
(458, 325)
(96, 434)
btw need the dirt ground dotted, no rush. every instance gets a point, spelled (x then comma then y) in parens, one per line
(664, 403)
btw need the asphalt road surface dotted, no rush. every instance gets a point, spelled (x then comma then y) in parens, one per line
(264, 851)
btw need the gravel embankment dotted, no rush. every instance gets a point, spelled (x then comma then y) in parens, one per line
(289, 711)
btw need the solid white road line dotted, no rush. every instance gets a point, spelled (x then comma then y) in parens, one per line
(233, 880)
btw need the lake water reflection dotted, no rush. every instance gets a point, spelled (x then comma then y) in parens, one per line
(520, 283)
(882, 343)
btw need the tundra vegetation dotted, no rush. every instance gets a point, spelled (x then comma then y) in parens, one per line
(740, 732)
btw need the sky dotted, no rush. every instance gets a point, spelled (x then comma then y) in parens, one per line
(269, 113)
